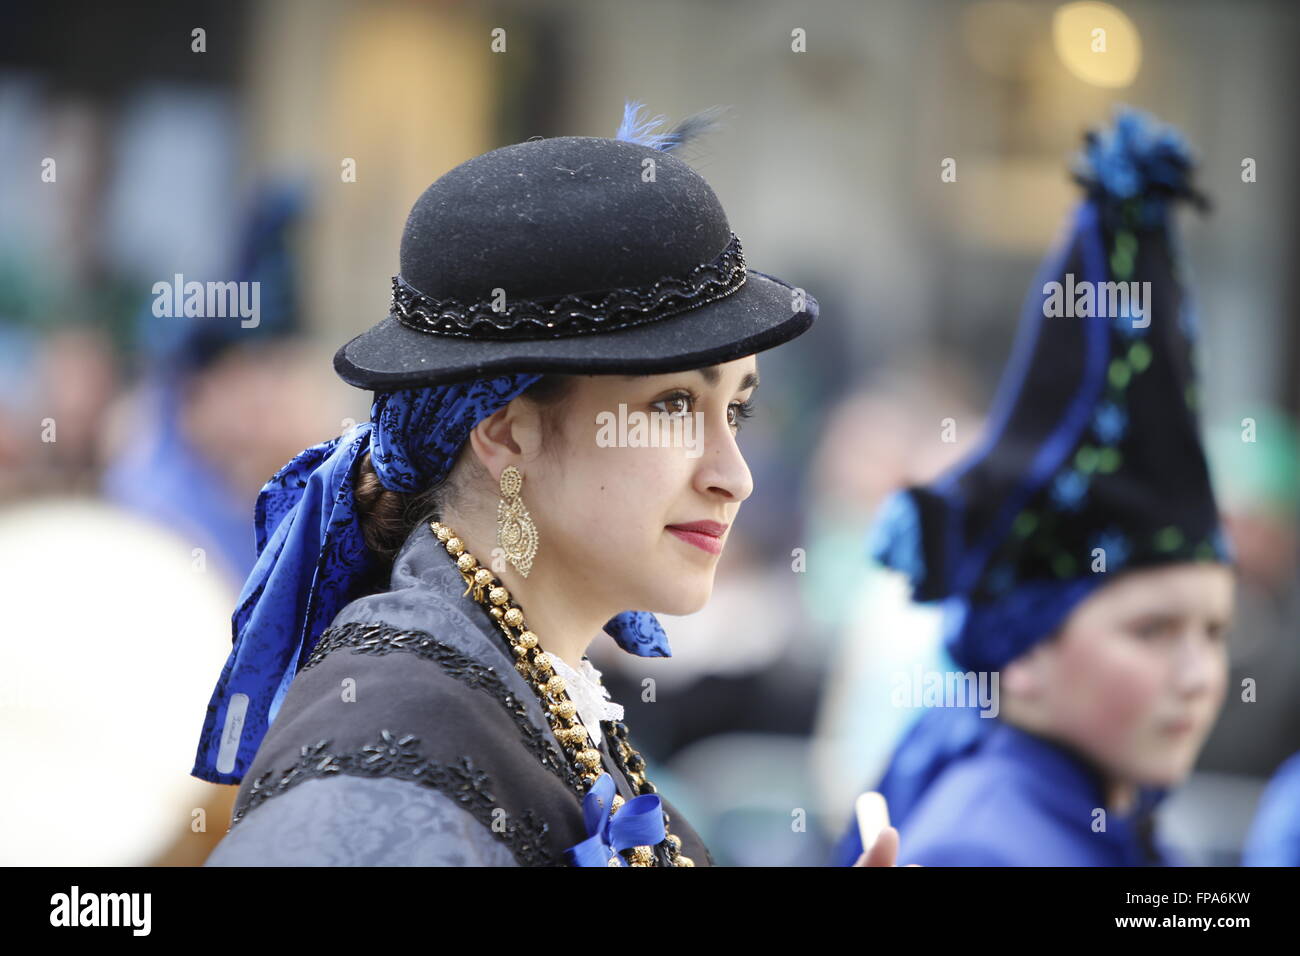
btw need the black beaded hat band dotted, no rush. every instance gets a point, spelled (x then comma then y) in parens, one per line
(573, 314)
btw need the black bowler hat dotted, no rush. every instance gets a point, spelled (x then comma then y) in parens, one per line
(574, 254)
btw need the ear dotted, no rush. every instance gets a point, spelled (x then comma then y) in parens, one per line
(1025, 677)
(509, 436)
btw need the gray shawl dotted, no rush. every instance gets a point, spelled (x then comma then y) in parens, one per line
(409, 739)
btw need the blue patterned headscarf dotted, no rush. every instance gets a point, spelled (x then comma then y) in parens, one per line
(312, 559)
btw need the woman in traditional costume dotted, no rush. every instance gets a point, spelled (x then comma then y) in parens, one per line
(1078, 553)
(408, 683)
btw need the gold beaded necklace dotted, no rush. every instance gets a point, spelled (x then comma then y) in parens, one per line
(533, 664)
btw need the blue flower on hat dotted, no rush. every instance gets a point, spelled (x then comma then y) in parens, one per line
(1109, 422)
(1137, 159)
(1069, 489)
(1129, 325)
(895, 538)
(1135, 153)
(1115, 545)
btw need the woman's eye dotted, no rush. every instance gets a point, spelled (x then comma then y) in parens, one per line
(743, 410)
(681, 404)
(677, 404)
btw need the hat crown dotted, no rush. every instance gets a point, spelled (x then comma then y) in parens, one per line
(559, 216)
(1091, 462)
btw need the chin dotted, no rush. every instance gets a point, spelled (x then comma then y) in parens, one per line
(687, 598)
(1168, 771)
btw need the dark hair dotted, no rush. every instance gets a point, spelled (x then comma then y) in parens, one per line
(387, 517)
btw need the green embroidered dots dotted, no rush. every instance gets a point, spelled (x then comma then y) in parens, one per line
(1025, 524)
(1139, 356)
(1120, 265)
(1168, 539)
(1118, 374)
(1108, 460)
(1085, 459)
(1121, 260)
(1063, 564)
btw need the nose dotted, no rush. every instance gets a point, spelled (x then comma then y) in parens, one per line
(1197, 663)
(721, 470)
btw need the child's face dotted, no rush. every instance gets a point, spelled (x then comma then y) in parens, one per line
(1137, 676)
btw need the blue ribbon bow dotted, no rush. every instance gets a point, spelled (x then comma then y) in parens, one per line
(638, 822)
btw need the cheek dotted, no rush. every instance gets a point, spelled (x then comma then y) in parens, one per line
(1113, 686)
(1219, 677)
(618, 499)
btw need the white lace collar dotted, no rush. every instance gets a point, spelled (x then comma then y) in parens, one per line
(588, 694)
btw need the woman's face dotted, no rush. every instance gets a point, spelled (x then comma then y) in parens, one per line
(639, 456)
(1136, 677)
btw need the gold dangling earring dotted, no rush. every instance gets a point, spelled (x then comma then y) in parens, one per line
(516, 533)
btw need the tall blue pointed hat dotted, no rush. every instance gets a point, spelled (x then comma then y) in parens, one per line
(1092, 463)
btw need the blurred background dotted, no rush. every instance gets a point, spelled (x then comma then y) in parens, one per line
(284, 143)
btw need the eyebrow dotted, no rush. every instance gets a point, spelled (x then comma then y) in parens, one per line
(1228, 621)
(712, 376)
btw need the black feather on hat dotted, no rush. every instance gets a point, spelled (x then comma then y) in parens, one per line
(573, 254)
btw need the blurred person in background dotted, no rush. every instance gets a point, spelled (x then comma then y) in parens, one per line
(194, 443)
(57, 384)
(1080, 556)
(1274, 836)
(183, 452)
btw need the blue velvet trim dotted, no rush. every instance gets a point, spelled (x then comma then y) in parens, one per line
(1065, 436)
(987, 636)
(895, 537)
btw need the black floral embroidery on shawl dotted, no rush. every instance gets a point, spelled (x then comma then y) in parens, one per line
(401, 756)
(381, 639)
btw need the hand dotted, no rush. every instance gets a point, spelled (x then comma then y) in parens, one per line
(884, 852)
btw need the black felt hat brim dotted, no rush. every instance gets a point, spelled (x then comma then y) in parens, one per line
(755, 317)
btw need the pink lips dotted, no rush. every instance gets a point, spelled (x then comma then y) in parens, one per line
(706, 535)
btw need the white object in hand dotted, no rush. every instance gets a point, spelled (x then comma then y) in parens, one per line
(873, 816)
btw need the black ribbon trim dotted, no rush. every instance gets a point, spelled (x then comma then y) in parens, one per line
(575, 314)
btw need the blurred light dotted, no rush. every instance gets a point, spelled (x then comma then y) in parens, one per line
(1097, 43)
